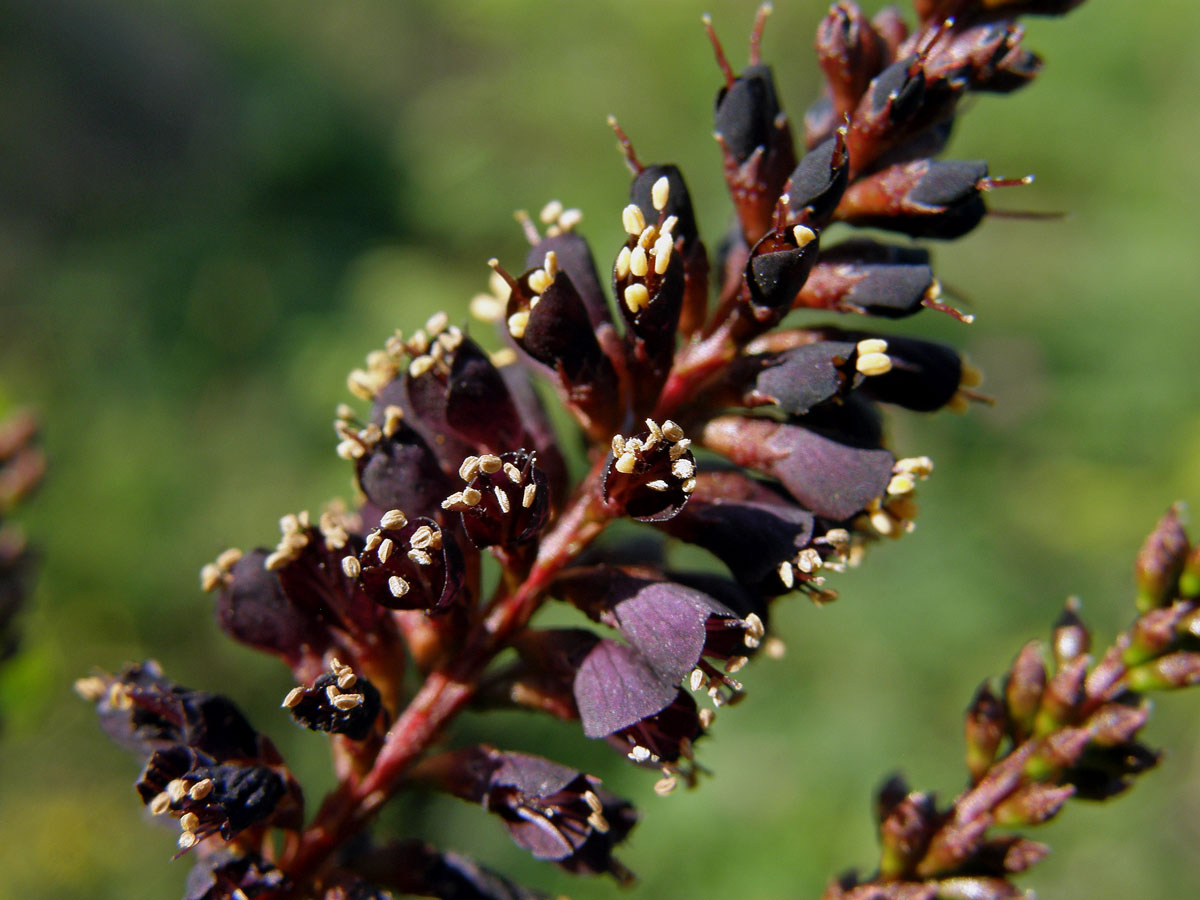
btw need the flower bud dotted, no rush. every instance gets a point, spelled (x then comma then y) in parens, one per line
(985, 725)
(1071, 637)
(904, 834)
(924, 198)
(1175, 670)
(1160, 562)
(1117, 723)
(952, 845)
(1062, 696)
(850, 54)
(867, 277)
(1023, 688)
(1032, 804)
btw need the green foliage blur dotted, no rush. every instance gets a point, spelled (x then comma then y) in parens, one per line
(210, 211)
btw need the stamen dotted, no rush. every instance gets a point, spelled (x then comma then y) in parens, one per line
(351, 566)
(636, 297)
(632, 220)
(660, 193)
(393, 519)
(638, 264)
(397, 586)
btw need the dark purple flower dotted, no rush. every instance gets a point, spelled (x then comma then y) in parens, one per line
(557, 813)
(409, 564)
(776, 270)
(548, 319)
(671, 625)
(210, 798)
(144, 712)
(338, 702)
(416, 867)
(298, 600)
(506, 501)
(831, 478)
(397, 470)
(815, 187)
(925, 198)
(650, 474)
(764, 539)
(867, 277)
(454, 387)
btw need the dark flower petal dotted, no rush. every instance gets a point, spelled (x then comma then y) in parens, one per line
(778, 266)
(555, 812)
(223, 875)
(867, 277)
(512, 499)
(924, 376)
(616, 688)
(455, 389)
(551, 325)
(804, 377)
(574, 257)
(817, 183)
(753, 537)
(833, 479)
(426, 417)
(924, 198)
(144, 712)
(416, 867)
(746, 111)
(401, 472)
(411, 565)
(254, 610)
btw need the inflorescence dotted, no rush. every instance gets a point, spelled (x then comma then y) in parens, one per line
(728, 424)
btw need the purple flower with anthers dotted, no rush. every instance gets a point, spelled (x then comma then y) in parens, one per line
(698, 419)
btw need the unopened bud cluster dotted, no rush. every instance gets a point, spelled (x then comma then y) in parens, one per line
(1062, 723)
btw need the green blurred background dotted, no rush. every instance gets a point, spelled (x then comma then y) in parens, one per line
(210, 211)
